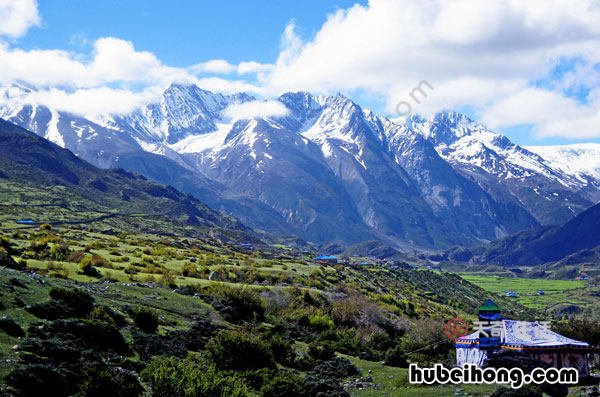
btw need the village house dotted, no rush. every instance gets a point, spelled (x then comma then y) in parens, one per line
(534, 338)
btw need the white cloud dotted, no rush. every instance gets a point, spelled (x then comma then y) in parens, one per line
(550, 113)
(117, 60)
(102, 81)
(92, 101)
(217, 84)
(474, 53)
(219, 66)
(113, 60)
(17, 16)
(252, 109)
(253, 67)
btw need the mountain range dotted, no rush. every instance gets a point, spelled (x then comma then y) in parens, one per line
(328, 170)
(37, 173)
(575, 242)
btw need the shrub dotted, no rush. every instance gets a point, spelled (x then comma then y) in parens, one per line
(7, 260)
(525, 391)
(87, 269)
(355, 310)
(96, 260)
(147, 260)
(100, 313)
(419, 337)
(191, 270)
(76, 256)
(283, 384)
(174, 343)
(9, 326)
(73, 357)
(39, 246)
(239, 350)
(79, 301)
(315, 386)
(255, 379)
(321, 322)
(145, 319)
(282, 350)
(580, 329)
(36, 380)
(168, 279)
(324, 379)
(237, 304)
(131, 269)
(321, 350)
(77, 335)
(169, 376)
(336, 368)
(59, 252)
(112, 382)
(395, 357)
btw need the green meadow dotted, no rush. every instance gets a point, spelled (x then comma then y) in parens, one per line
(574, 292)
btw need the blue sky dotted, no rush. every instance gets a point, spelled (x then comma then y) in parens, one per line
(528, 71)
(180, 33)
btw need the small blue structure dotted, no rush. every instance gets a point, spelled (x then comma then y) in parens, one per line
(26, 221)
(511, 294)
(330, 259)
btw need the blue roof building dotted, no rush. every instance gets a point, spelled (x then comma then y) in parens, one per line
(326, 258)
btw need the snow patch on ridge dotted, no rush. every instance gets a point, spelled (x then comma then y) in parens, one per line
(200, 143)
(52, 133)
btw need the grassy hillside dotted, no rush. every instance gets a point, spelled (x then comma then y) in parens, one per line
(367, 314)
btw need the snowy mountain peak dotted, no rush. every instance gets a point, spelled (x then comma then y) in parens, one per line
(447, 127)
(577, 159)
(183, 110)
(452, 118)
(15, 91)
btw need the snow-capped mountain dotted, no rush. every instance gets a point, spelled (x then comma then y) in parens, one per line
(578, 160)
(328, 170)
(182, 110)
(461, 140)
(502, 167)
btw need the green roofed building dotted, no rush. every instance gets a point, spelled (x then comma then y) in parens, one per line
(489, 305)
